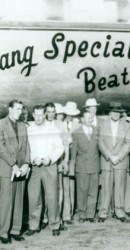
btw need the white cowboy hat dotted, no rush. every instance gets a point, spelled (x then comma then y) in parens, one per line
(71, 109)
(59, 108)
(91, 102)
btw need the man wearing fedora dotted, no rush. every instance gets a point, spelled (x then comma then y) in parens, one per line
(92, 105)
(85, 163)
(114, 145)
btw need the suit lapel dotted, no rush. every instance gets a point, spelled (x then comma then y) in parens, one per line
(11, 133)
(84, 136)
(20, 135)
(119, 131)
(109, 131)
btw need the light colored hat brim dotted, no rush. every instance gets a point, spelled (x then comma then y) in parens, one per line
(72, 113)
(60, 112)
(93, 105)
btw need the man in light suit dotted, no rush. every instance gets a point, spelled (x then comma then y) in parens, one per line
(114, 145)
(85, 157)
(46, 148)
(14, 164)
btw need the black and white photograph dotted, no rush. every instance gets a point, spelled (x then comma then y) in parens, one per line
(65, 124)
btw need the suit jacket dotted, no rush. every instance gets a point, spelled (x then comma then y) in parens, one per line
(84, 152)
(11, 150)
(121, 147)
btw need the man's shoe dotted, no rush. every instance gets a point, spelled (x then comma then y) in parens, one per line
(100, 219)
(5, 240)
(30, 232)
(44, 225)
(69, 222)
(17, 237)
(56, 232)
(81, 220)
(122, 219)
(63, 227)
(91, 220)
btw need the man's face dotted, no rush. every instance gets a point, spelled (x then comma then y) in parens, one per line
(15, 111)
(59, 117)
(93, 110)
(69, 118)
(87, 118)
(115, 116)
(39, 116)
(24, 115)
(50, 113)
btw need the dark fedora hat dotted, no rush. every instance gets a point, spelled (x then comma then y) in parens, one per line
(116, 107)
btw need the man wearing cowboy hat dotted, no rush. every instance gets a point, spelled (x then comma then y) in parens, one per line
(62, 163)
(71, 112)
(114, 145)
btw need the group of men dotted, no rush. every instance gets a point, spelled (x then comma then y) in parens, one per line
(60, 149)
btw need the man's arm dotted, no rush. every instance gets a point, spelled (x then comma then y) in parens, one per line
(58, 149)
(73, 154)
(4, 155)
(102, 147)
(125, 149)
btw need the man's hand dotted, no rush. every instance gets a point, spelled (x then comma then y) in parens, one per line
(65, 168)
(37, 161)
(16, 170)
(24, 169)
(114, 159)
(46, 161)
(71, 168)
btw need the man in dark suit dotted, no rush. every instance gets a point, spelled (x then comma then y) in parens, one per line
(85, 156)
(14, 165)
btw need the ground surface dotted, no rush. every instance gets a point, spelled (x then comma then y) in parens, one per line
(110, 235)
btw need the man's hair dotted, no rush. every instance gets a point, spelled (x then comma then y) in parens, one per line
(49, 104)
(12, 103)
(40, 106)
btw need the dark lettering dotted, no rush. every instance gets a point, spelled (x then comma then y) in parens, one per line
(97, 45)
(124, 74)
(114, 82)
(52, 54)
(102, 83)
(82, 49)
(106, 53)
(89, 76)
(118, 51)
(69, 50)
(27, 57)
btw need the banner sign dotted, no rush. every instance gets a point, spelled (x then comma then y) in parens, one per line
(38, 66)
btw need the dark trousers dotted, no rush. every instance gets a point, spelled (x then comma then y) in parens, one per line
(11, 206)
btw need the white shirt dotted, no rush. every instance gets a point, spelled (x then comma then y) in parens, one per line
(94, 123)
(87, 131)
(114, 128)
(45, 141)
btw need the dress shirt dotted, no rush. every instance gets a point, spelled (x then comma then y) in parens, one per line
(45, 141)
(94, 123)
(114, 128)
(88, 131)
